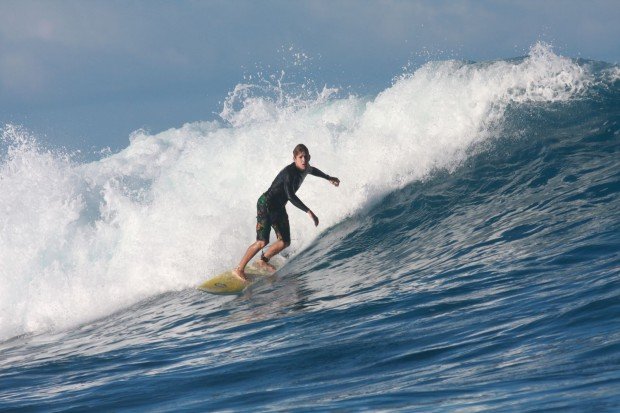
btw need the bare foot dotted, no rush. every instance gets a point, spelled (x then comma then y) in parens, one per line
(260, 264)
(240, 273)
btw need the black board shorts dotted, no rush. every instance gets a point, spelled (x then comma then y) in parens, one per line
(267, 218)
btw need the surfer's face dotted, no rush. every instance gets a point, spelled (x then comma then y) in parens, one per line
(302, 161)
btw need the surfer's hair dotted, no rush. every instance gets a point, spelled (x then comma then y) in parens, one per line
(299, 149)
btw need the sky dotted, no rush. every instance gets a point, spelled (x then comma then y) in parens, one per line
(85, 74)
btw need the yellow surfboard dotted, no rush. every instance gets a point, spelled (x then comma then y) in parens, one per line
(224, 283)
(229, 283)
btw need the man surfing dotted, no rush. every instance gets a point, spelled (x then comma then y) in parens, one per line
(271, 211)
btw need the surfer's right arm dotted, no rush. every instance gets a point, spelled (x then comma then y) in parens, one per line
(314, 218)
(289, 190)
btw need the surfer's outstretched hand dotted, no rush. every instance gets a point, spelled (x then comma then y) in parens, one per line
(334, 181)
(314, 218)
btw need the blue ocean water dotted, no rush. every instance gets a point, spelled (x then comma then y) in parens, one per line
(481, 274)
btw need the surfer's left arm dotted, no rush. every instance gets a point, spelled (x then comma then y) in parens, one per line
(317, 172)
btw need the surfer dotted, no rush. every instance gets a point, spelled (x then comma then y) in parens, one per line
(271, 211)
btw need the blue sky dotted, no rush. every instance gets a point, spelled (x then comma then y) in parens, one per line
(86, 73)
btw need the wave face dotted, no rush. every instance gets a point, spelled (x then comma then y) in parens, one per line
(470, 258)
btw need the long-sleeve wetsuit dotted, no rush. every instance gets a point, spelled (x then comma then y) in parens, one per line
(285, 185)
(270, 208)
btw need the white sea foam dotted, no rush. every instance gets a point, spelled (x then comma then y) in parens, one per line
(80, 241)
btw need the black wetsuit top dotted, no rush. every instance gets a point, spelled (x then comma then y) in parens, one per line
(285, 185)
